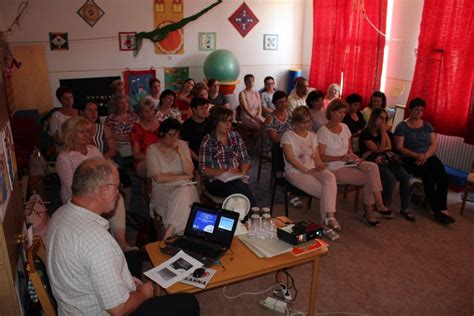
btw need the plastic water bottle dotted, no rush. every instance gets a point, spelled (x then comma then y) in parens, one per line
(255, 222)
(268, 225)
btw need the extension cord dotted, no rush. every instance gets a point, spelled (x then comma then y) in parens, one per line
(283, 292)
(275, 304)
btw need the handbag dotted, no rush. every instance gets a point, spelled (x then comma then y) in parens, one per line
(388, 158)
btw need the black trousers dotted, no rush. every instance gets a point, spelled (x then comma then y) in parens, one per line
(435, 180)
(182, 304)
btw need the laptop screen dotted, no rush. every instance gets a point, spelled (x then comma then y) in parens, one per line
(211, 224)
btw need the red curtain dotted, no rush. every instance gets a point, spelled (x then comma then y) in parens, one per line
(343, 41)
(445, 65)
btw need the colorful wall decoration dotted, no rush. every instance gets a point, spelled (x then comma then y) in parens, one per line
(137, 84)
(90, 12)
(167, 12)
(58, 41)
(175, 77)
(243, 19)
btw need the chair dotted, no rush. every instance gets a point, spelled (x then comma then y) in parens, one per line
(37, 270)
(278, 167)
(263, 156)
(351, 188)
(208, 197)
(469, 187)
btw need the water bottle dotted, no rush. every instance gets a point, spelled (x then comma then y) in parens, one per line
(266, 221)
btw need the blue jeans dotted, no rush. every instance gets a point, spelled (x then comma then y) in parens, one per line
(224, 189)
(389, 175)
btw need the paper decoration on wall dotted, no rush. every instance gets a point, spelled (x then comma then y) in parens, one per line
(207, 41)
(270, 41)
(126, 40)
(160, 33)
(58, 41)
(243, 19)
(175, 77)
(137, 84)
(90, 12)
(168, 14)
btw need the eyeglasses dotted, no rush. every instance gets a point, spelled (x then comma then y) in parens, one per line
(118, 186)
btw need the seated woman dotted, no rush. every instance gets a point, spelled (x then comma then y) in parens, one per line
(155, 87)
(200, 90)
(169, 165)
(144, 133)
(183, 98)
(251, 107)
(65, 97)
(336, 150)
(305, 170)
(267, 95)
(276, 124)
(375, 145)
(354, 118)
(223, 153)
(377, 100)
(215, 97)
(76, 136)
(314, 101)
(334, 91)
(121, 122)
(166, 108)
(416, 141)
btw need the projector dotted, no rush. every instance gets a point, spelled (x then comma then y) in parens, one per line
(300, 232)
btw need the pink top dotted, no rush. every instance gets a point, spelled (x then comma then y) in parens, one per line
(66, 164)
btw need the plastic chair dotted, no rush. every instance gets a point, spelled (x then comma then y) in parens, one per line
(37, 270)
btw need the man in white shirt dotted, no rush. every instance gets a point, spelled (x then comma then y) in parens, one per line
(86, 267)
(298, 95)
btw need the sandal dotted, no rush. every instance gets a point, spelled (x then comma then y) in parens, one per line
(296, 202)
(408, 215)
(370, 221)
(330, 234)
(385, 213)
(332, 223)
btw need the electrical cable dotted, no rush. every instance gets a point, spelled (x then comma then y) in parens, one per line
(247, 293)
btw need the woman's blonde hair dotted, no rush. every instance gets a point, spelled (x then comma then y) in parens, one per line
(334, 85)
(114, 102)
(336, 105)
(300, 114)
(70, 128)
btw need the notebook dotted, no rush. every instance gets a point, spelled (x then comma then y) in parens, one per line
(208, 234)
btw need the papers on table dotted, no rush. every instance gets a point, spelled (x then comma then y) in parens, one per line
(227, 176)
(266, 248)
(173, 270)
(200, 282)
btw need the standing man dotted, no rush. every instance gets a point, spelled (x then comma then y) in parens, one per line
(86, 267)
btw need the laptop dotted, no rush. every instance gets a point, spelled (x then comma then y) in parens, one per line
(208, 234)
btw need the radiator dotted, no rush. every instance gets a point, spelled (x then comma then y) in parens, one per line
(453, 152)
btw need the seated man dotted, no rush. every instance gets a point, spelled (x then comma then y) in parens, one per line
(298, 95)
(86, 267)
(196, 127)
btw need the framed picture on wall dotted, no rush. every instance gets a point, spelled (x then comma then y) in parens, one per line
(126, 40)
(270, 41)
(207, 41)
(137, 84)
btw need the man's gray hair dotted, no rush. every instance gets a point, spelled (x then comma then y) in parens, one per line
(91, 174)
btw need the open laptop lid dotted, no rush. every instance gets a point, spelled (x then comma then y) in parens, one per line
(211, 224)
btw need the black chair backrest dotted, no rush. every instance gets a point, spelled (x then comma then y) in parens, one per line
(278, 163)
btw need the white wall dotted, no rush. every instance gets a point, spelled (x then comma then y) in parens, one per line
(103, 58)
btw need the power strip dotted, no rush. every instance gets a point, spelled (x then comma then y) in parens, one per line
(275, 304)
(283, 292)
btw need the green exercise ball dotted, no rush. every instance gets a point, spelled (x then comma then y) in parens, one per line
(222, 65)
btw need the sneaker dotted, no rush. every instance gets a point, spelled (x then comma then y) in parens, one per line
(443, 218)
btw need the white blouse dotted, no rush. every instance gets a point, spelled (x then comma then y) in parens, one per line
(336, 144)
(303, 149)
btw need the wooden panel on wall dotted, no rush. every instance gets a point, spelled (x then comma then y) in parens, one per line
(30, 83)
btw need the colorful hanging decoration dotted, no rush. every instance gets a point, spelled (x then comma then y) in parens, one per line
(171, 13)
(7, 60)
(58, 41)
(90, 12)
(243, 19)
(137, 84)
(161, 32)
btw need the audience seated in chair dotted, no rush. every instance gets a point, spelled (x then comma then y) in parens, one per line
(87, 269)
(166, 108)
(76, 138)
(223, 151)
(354, 118)
(377, 100)
(375, 145)
(155, 88)
(298, 96)
(305, 170)
(333, 92)
(267, 95)
(170, 166)
(200, 90)
(335, 149)
(215, 97)
(183, 98)
(144, 134)
(314, 101)
(251, 112)
(416, 140)
(196, 127)
(66, 98)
